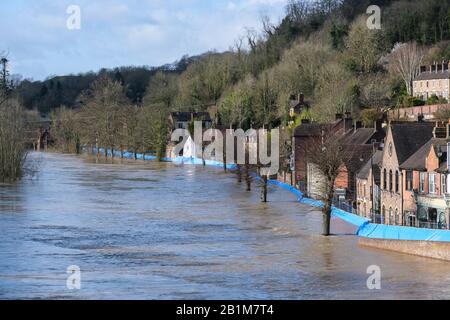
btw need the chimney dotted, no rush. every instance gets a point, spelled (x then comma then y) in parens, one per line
(339, 116)
(358, 125)
(348, 122)
(301, 98)
(378, 125)
(439, 131)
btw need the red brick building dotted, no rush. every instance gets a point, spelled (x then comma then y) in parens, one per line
(360, 142)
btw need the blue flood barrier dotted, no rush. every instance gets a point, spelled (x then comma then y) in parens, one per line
(379, 231)
(343, 215)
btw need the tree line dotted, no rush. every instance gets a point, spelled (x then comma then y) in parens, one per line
(322, 49)
(108, 119)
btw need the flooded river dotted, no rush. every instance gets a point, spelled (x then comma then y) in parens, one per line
(161, 231)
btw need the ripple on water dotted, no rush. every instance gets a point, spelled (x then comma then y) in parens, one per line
(147, 230)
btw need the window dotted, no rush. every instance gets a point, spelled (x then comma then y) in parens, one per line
(390, 180)
(396, 182)
(432, 183)
(391, 216)
(409, 180)
(443, 184)
(422, 182)
(384, 180)
(397, 217)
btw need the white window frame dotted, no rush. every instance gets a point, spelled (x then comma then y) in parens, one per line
(432, 183)
(422, 182)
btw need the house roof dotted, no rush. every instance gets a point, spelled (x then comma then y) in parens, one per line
(376, 161)
(410, 137)
(418, 160)
(433, 75)
(311, 129)
(357, 156)
(298, 106)
(360, 136)
(187, 116)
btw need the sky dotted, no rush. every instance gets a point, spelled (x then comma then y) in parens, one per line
(122, 33)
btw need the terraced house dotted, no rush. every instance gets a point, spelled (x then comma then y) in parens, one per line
(433, 80)
(426, 189)
(402, 141)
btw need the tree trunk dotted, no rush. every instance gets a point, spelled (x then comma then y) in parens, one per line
(247, 178)
(224, 156)
(264, 190)
(326, 212)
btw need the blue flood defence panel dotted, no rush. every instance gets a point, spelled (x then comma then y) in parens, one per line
(198, 161)
(343, 215)
(379, 231)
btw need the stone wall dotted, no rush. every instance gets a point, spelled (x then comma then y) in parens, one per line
(411, 114)
(429, 249)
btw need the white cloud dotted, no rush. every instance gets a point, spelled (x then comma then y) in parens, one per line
(135, 32)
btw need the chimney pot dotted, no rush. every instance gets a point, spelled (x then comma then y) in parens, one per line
(301, 98)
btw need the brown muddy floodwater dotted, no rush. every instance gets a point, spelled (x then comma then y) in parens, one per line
(147, 230)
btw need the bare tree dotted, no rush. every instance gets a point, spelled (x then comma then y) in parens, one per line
(326, 153)
(405, 60)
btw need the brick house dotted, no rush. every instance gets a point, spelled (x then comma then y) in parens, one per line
(402, 141)
(307, 132)
(426, 190)
(359, 144)
(368, 182)
(432, 80)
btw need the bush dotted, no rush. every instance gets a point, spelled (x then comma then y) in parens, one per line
(369, 116)
(408, 101)
(436, 100)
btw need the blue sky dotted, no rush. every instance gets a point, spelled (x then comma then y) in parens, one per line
(118, 33)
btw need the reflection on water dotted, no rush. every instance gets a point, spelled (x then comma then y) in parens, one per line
(159, 231)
